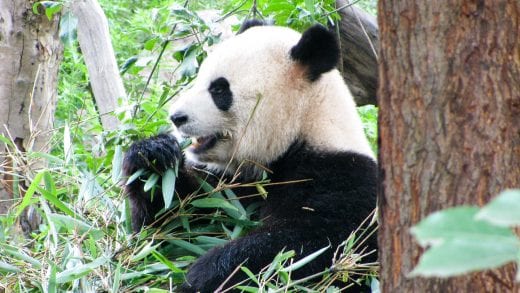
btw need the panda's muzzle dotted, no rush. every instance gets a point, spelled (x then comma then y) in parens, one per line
(203, 143)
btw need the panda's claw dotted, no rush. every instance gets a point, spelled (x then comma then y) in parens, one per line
(156, 154)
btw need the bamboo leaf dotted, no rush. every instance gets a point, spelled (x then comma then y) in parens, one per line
(8, 268)
(27, 198)
(188, 246)
(458, 223)
(296, 265)
(134, 176)
(213, 203)
(150, 183)
(463, 255)
(80, 271)
(117, 164)
(168, 187)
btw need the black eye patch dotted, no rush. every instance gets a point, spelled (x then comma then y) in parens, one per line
(221, 94)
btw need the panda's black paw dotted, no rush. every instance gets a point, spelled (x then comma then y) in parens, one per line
(156, 154)
(208, 273)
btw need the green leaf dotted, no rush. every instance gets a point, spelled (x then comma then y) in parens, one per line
(213, 241)
(168, 186)
(27, 199)
(135, 176)
(249, 289)
(249, 274)
(8, 141)
(67, 145)
(51, 8)
(185, 143)
(52, 288)
(145, 251)
(150, 44)
(71, 223)
(504, 210)
(213, 203)
(189, 64)
(458, 223)
(166, 262)
(19, 254)
(8, 268)
(462, 255)
(117, 164)
(300, 263)
(68, 28)
(80, 271)
(188, 246)
(461, 243)
(152, 180)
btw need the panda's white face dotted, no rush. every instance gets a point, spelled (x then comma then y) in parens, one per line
(251, 101)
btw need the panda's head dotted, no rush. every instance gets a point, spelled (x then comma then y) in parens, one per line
(262, 90)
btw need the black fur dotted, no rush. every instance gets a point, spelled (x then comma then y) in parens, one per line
(303, 216)
(155, 154)
(221, 93)
(318, 50)
(250, 23)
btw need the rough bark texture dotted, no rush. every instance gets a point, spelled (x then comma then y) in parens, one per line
(359, 43)
(449, 99)
(98, 53)
(30, 51)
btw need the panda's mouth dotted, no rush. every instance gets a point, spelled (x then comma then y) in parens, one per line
(201, 144)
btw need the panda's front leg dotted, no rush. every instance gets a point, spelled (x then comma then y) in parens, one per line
(254, 251)
(153, 155)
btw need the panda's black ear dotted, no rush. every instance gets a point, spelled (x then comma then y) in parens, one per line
(250, 23)
(317, 50)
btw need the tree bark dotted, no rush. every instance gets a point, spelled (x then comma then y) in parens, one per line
(359, 43)
(30, 50)
(96, 46)
(449, 98)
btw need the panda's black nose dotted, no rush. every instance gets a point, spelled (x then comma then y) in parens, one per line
(179, 118)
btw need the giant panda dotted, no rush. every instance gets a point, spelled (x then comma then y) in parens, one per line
(270, 99)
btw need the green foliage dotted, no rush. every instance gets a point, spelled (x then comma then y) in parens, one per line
(466, 239)
(49, 7)
(84, 242)
(368, 116)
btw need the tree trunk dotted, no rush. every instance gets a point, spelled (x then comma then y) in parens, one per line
(96, 46)
(30, 50)
(449, 98)
(358, 34)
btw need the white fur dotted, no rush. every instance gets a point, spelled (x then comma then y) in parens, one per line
(258, 66)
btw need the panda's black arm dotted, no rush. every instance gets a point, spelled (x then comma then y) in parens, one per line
(254, 251)
(155, 154)
(304, 217)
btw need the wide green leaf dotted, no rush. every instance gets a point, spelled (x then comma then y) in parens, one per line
(458, 223)
(80, 271)
(504, 210)
(168, 186)
(28, 197)
(466, 254)
(117, 164)
(8, 268)
(213, 203)
(152, 180)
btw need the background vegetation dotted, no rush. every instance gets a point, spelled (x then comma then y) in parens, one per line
(84, 242)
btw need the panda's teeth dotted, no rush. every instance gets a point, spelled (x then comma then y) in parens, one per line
(194, 142)
(226, 134)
